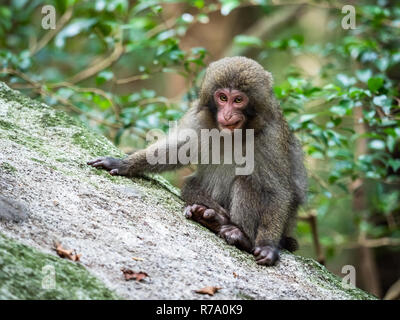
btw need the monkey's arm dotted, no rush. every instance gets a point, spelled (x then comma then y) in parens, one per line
(157, 157)
(263, 214)
(274, 220)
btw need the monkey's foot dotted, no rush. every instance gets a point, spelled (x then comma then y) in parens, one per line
(205, 216)
(116, 167)
(235, 237)
(266, 255)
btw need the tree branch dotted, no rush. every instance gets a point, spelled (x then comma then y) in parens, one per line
(51, 34)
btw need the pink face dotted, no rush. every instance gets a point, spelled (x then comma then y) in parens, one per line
(230, 104)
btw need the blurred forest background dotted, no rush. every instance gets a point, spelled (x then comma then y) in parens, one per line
(124, 67)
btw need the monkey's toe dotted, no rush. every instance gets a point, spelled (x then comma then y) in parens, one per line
(209, 214)
(195, 211)
(114, 172)
(188, 212)
(235, 237)
(267, 255)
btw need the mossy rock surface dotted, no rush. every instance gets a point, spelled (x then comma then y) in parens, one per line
(27, 273)
(115, 223)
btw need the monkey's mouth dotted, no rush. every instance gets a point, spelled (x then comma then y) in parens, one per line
(233, 126)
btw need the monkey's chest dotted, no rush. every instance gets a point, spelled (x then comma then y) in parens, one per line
(217, 181)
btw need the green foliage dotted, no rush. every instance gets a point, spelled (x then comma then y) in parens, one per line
(346, 113)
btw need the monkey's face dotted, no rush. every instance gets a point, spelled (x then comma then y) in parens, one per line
(230, 104)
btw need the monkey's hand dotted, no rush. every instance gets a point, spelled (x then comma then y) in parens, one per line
(266, 255)
(236, 237)
(209, 218)
(116, 167)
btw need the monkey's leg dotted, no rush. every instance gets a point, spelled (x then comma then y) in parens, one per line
(219, 224)
(206, 217)
(204, 210)
(236, 237)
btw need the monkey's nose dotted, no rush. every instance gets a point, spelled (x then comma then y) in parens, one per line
(227, 116)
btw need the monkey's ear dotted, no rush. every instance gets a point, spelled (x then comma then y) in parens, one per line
(270, 78)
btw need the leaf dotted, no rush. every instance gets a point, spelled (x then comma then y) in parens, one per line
(382, 101)
(395, 164)
(104, 76)
(377, 144)
(208, 290)
(137, 259)
(306, 117)
(228, 6)
(73, 29)
(364, 75)
(345, 80)
(247, 41)
(64, 253)
(129, 275)
(375, 83)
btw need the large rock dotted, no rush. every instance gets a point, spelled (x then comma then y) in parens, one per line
(52, 195)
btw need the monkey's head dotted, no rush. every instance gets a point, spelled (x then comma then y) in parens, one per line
(238, 92)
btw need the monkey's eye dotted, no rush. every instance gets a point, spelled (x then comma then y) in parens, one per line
(238, 100)
(223, 97)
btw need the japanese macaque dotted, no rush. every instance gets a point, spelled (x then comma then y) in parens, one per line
(255, 211)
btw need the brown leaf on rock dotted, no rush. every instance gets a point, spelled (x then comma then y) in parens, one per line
(64, 253)
(235, 275)
(137, 259)
(208, 290)
(129, 275)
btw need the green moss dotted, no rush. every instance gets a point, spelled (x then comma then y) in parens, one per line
(93, 144)
(7, 125)
(244, 296)
(22, 274)
(326, 279)
(9, 95)
(33, 143)
(58, 119)
(8, 168)
(44, 163)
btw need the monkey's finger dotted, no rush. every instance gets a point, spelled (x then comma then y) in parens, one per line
(99, 164)
(90, 162)
(257, 251)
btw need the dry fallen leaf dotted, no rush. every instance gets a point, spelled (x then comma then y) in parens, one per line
(235, 275)
(137, 259)
(208, 290)
(64, 253)
(129, 275)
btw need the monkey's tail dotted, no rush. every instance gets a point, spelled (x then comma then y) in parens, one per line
(289, 243)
